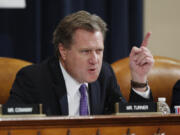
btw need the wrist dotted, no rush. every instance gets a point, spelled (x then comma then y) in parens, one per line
(139, 78)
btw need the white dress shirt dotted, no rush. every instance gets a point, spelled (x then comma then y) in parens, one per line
(73, 93)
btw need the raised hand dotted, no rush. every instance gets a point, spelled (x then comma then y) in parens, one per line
(141, 61)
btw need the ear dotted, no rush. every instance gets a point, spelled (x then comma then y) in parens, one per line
(62, 51)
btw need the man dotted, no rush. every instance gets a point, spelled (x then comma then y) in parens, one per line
(79, 45)
(175, 96)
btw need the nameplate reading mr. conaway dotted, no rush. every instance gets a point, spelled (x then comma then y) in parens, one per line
(138, 107)
(21, 109)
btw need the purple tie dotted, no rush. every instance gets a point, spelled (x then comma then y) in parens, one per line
(83, 110)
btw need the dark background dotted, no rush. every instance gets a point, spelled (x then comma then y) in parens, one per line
(27, 33)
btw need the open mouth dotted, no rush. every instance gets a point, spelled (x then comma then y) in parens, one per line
(92, 69)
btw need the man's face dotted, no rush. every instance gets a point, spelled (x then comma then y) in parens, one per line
(83, 60)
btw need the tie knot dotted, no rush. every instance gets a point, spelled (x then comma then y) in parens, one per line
(82, 89)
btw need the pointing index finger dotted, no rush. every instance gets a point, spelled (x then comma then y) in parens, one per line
(145, 41)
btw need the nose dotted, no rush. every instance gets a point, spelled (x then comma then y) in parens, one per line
(93, 58)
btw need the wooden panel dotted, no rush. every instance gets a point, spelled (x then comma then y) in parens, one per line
(93, 125)
(138, 130)
(54, 131)
(3, 132)
(23, 132)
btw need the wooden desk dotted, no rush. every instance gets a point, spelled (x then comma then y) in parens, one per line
(92, 125)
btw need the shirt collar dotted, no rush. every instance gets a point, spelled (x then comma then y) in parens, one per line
(72, 85)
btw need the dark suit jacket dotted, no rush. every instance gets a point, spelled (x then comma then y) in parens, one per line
(175, 95)
(44, 83)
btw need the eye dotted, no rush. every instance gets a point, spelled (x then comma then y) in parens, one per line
(86, 51)
(98, 51)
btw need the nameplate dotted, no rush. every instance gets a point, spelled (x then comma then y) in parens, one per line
(20, 109)
(138, 107)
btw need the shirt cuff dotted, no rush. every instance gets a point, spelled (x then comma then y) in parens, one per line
(145, 94)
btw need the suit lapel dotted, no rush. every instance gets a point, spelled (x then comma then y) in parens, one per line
(60, 92)
(59, 86)
(94, 96)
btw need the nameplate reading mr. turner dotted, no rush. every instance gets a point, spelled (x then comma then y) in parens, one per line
(138, 107)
